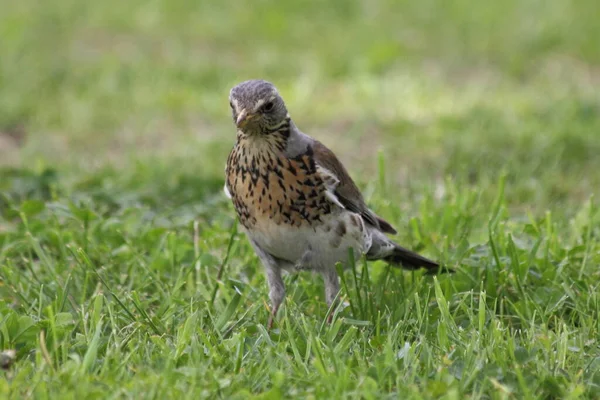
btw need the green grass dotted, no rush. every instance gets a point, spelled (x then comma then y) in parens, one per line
(472, 126)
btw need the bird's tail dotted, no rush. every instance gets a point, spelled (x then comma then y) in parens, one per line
(407, 259)
(385, 249)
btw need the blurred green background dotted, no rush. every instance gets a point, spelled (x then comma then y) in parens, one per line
(454, 88)
(473, 127)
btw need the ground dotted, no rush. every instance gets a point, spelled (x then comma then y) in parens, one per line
(472, 126)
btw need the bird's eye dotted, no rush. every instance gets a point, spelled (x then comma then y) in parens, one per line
(268, 107)
(231, 105)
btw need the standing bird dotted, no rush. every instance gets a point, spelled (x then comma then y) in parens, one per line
(295, 200)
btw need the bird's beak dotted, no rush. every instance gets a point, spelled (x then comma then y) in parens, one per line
(243, 118)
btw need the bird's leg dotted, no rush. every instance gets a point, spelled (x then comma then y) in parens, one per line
(332, 288)
(276, 292)
(276, 286)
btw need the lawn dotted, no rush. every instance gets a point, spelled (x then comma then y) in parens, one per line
(474, 127)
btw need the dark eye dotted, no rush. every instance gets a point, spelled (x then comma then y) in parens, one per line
(231, 105)
(268, 107)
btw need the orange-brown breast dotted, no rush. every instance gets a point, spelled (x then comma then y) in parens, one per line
(266, 187)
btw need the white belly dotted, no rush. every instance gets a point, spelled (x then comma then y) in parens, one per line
(329, 241)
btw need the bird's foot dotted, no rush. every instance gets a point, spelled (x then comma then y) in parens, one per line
(272, 318)
(330, 317)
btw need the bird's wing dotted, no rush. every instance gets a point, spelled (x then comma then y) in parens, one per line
(341, 188)
(226, 191)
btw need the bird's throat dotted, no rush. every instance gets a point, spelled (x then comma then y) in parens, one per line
(257, 144)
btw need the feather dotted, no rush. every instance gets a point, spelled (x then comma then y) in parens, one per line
(346, 191)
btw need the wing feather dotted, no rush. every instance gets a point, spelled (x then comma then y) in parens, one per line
(342, 188)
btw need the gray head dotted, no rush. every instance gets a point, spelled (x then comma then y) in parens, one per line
(257, 107)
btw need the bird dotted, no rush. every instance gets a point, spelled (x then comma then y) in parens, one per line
(296, 202)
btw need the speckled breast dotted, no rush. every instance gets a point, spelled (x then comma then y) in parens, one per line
(267, 187)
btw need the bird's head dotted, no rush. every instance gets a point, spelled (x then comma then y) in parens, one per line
(257, 107)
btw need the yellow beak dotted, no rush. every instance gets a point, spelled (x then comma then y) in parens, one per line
(243, 118)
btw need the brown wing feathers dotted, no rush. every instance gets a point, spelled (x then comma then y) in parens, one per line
(347, 191)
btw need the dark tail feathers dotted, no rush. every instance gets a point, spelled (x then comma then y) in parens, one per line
(410, 260)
